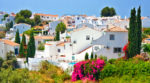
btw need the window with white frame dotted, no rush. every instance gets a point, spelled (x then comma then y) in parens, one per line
(117, 50)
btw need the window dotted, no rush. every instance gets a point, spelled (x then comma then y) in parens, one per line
(117, 50)
(73, 58)
(112, 37)
(59, 50)
(16, 51)
(39, 42)
(87, 37)
(74, 42)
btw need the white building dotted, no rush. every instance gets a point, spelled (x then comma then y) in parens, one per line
(48, 17)
(111, 43)
(52, 27)
(75, 48)
(7, 46)
(40, 39)
(22, 27)
(8, 19)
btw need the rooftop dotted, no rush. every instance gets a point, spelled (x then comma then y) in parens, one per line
(115, 29)
(46, 15)
(11, 43)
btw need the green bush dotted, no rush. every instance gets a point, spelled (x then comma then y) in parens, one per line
(41, 46)
(111, 61)
(103, 58)
(129, 67)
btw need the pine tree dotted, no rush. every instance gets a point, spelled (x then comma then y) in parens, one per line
(31, 46)
(139, 30)
(17, 37)
(91, 55)
(86, 56)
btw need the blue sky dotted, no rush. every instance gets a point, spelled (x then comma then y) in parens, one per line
(61, 7)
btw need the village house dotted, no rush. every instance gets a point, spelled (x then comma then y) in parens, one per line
(7, 46)
(22, 27)
(8, 19)
(111, 43)
(40, 39)
(74, 48)
(48, 17)
(52, 27)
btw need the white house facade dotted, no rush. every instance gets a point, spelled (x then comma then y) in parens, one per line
(7, 46)
(22, 27)
(111, 43)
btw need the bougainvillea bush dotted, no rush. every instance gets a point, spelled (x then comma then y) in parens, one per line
(89, 69)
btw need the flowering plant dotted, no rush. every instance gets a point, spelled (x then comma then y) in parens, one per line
(89, 69)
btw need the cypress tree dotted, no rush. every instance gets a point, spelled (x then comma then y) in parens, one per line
(23, 39)
(31, 46)
(21, 50)
(57, 36)
(86, 56)
(132, 35)
(17, 37)
(95, 56)
(139, 30)
(91, 55)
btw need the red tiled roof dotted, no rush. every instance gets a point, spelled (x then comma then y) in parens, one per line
(46, 15)
(11, 43)
(116, 29)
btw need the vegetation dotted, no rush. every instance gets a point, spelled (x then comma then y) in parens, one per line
(61, 27)
(5, 16)
(92, 55)
(135, 34)
(48, 73)
(10, 61)
(17, 37)
(31, 46)
(24, 17)
(22, 49)
(95, 56)
(57, 36)
(106, 12)
(146, 47)
(9, 25)
(41, 46)
(2, 34)
(37, 19)
(86, 56)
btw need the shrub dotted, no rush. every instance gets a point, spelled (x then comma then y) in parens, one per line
(91, 55)
(86, 56)
(1, 61)
(112, 61)
(103, 58)
(41, 46)
(89, 69)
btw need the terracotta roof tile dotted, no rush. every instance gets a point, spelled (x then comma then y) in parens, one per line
(46, 15)
(115, 29)
(44, 37)
(11, 43)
